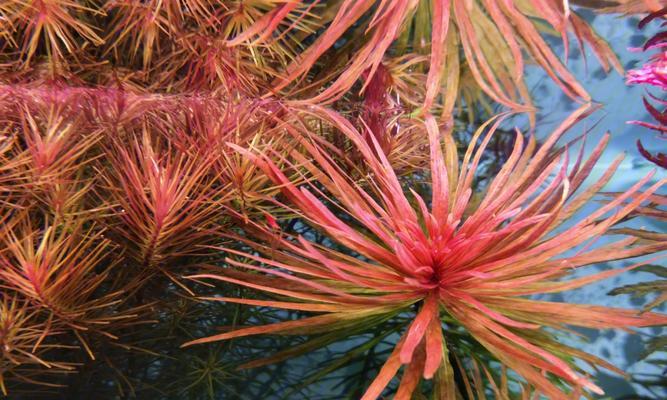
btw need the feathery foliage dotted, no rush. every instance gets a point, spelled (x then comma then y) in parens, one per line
(187, 171)
(474, 261)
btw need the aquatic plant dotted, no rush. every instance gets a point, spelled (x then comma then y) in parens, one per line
(473, 261)
(653, 73)
(172, 168)
(274, 46)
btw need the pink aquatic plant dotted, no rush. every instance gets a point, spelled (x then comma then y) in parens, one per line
(653, 73)
(474, 261)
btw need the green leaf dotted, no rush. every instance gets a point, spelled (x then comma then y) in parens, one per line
(658, 343)
(641, 289)
(658, 270)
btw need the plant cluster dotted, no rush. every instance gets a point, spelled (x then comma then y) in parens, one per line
(653, 73)
(198, 195)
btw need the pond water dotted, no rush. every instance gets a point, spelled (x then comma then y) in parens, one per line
(620, 103)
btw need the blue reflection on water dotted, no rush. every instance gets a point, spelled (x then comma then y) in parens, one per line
(620, 104)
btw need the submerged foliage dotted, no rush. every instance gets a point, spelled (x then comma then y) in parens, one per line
(475, 261)
(312, 50)
(182, 172)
